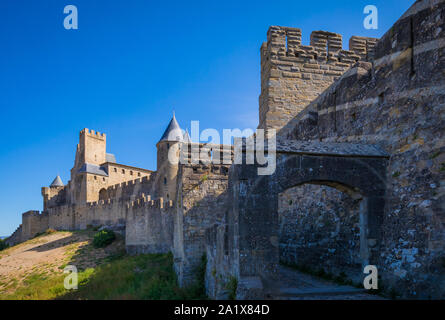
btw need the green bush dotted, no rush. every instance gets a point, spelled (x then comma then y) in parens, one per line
(197, 289)
(103, 238)
(231, 287)
(3, 245)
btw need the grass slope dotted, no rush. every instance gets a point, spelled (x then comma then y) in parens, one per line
(106, 273)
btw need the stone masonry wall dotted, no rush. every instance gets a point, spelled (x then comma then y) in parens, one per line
(15, 237)
(201, 200)
(33, 222)
(398, 102)
(293, 75)
(131, 190)
(149, 226)
(218, 269)
(321, 231)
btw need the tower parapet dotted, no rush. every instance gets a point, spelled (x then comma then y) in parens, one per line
(293, 75)
(92, 147)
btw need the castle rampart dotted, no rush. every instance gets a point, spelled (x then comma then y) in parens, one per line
(389, 93)
(293, 75)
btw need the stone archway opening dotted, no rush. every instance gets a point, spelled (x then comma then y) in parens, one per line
(103, 194)
(320, 230)
(359, 171)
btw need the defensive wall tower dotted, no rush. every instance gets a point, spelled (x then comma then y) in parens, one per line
(168, 149)
(293, 75)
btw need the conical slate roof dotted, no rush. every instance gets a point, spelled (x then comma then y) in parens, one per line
(187, 136)
(57, 182)
(173, 131)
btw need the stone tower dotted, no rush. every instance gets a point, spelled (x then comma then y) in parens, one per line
(293, 75)
(87, 175)
(168, 149)
(53, 195)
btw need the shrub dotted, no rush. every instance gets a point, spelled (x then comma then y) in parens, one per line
(103, 238)
(3, 245)
(231, 287)
(197, 290)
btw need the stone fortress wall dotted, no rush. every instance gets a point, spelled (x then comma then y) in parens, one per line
(393, 95)
(388, 92)
(293, 75)
(395, 101)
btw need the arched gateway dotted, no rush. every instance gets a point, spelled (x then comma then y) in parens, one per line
(359, 170)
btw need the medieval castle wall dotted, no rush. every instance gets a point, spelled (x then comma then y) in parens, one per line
(202, 203)
(389, 92)
(149, 226)
(396, 101)
(293, 75)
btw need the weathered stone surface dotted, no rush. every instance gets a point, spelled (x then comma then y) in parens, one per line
(360, 176)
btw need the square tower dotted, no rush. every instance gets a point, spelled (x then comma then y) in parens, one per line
(293, 75)
(92, 147)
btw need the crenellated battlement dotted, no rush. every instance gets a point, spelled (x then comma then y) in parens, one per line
(32, 213)
(206, 153)
(142, 201)
(147, 202)
(325, 46)
(293, 74)
(130, 183)
(130, 189)
(92, 133)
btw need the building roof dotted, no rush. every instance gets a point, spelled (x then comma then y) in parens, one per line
(120, 165)
(93, 169)
(173, 131)
(57, 182)
(111, 158)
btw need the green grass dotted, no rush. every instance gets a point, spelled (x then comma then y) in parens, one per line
(103, 238)
(45, 233)
(396, 174)
(231, 287)
(113, 276)
(148, 276)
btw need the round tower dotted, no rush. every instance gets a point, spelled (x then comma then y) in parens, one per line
(54, 195)
(168, 160)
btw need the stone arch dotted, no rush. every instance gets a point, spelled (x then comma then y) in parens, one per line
(255, 203)
(319, 228)
(103, 194)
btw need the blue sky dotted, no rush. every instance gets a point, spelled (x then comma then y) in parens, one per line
(127, 67)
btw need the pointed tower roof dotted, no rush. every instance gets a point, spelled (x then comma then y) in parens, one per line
(187, 136)
(173, 131)
(57, 182)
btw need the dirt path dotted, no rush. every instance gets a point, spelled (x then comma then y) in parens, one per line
(294, 285)
(49, 254)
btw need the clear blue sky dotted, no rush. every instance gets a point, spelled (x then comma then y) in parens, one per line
(127, 67)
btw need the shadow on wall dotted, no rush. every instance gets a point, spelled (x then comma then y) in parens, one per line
(321, 231)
